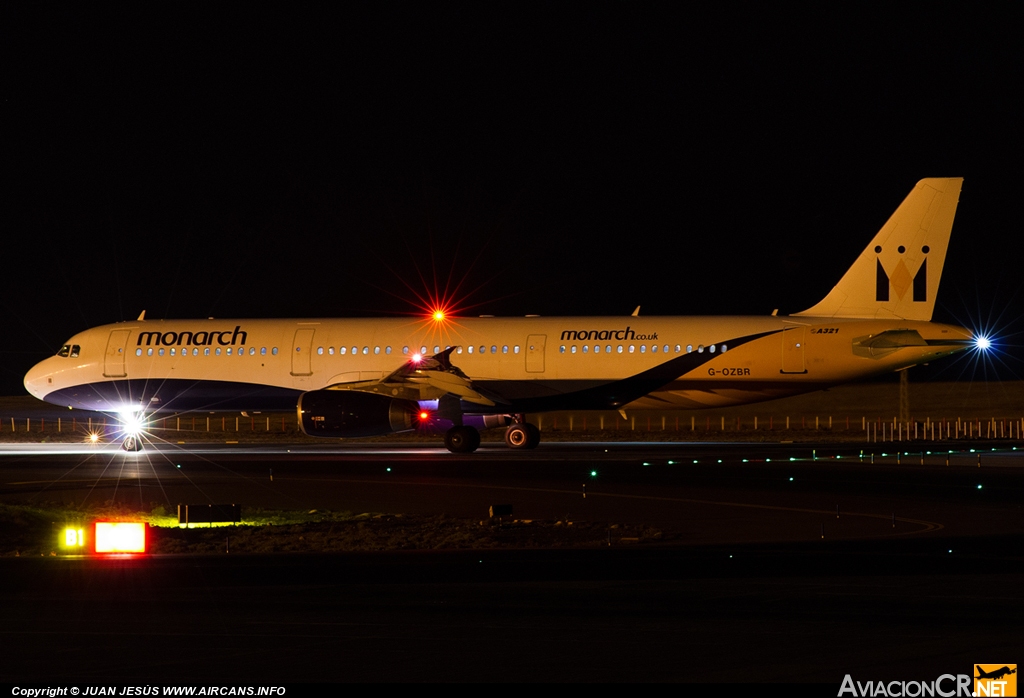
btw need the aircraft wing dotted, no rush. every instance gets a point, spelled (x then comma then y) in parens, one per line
(430, 378)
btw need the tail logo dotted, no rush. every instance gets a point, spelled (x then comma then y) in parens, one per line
(901, 280)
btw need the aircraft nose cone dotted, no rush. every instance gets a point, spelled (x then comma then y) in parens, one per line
(38, 381)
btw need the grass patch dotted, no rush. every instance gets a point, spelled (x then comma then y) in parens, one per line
(38, 530)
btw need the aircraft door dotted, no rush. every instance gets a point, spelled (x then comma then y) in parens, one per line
(113, 361)
(793, 349)
(302, 352)
(535, 353)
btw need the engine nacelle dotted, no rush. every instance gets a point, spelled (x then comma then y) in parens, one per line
(344, 413)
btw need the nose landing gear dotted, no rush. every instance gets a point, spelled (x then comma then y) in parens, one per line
(132, 443)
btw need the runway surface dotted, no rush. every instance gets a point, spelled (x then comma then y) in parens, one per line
(918, 574)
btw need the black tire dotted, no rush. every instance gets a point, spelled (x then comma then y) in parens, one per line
(534, 433)
(462, 439)
(517, 436)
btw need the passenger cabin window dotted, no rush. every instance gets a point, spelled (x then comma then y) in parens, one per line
(138, 352)
(515, 349)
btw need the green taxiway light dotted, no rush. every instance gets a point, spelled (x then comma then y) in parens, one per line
(791, 479)
(646, 463)
(593, 473)
(979, 487)
(389, 470)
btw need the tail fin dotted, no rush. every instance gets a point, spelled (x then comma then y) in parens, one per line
(897, 275)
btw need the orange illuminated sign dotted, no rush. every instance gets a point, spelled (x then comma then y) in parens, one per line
(120, 537)
(995, 680)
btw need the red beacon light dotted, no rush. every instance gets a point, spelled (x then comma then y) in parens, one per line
(424, 415)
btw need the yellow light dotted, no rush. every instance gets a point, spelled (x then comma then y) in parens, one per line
(438, 315)
(94, 437)
(73, 537)
(120, 537)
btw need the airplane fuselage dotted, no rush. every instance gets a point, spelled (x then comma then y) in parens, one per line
(529, 364)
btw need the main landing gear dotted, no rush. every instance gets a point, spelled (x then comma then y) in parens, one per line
(519, 435)
(132, 443)
(462, 439)
(522, 435)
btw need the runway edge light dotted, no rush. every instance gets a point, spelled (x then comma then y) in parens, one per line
(121, 537)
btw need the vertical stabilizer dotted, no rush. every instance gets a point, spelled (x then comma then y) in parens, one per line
(897, 275)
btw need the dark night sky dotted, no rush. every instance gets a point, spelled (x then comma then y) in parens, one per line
(233, 161)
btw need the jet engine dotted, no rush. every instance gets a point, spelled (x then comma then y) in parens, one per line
(344, 413)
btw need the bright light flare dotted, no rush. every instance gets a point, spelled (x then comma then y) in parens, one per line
(982, 343)
(416, 358)
(424, 415)
(120, 537)
(438, 315)
(133, 423)
(93, 437)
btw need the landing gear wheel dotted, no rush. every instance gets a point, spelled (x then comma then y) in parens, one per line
(534, 436)
(132, 444)
(462, 439)
(517, 436)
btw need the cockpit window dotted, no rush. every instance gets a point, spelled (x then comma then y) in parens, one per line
(64, 350)
(75, 349)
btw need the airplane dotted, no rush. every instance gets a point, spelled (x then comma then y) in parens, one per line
(995, 673)
(363, 377)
